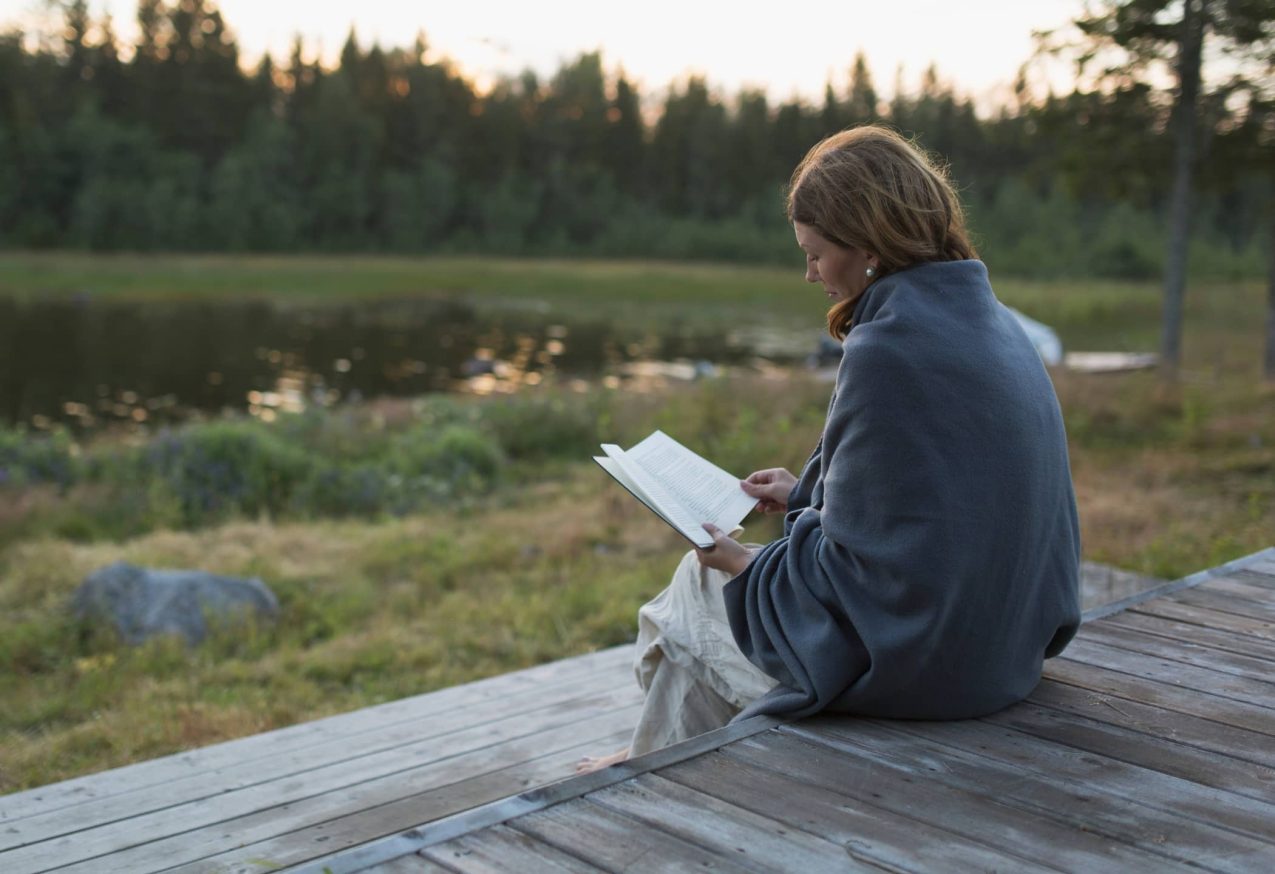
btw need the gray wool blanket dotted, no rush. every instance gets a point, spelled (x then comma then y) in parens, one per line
(931, 554)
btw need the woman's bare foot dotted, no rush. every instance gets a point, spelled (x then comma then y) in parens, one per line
(589, 764)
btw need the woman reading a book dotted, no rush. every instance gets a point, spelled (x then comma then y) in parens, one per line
(930, 554)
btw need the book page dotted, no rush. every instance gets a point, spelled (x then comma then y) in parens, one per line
(610, 466)
(659, 498)
(702, 490)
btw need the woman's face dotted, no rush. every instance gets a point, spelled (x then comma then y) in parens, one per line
(841, 269)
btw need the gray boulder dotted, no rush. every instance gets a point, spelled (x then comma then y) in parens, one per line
(142, 603)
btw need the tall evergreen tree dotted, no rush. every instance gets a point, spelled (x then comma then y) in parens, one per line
(686, 150)
(862, 102)
(624, 149)
(77, 69)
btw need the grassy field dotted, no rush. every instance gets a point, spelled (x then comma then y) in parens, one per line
(1117, 315)
(625, 289)
(555, 561)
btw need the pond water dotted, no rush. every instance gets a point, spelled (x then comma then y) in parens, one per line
(87, 363)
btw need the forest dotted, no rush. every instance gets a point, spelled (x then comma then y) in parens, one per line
(173, 144)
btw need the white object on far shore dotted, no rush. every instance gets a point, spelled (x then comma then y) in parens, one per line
(1109, 362)
(1043, 337)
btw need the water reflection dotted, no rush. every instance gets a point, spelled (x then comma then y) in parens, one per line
(87, 362)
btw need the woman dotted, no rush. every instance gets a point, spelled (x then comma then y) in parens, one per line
(930, 557)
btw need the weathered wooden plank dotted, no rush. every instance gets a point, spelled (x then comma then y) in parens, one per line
(1181, 650)
(1129, 801)
(412, 864)
(273, 807)
(1254, 783)
(393, 740)
(723, 828)
(1146, 809)
(358, 823)
(1263, 565)
(615, 842)
(1158, 722)
(1263, 629)
(1226, 601)
(500, 850)
(1248, 588)
(1171, 629)
(1168, 588)
(869, 834)
(1165, 589)
(1255, 577)
(1204, 681)
(973, 814)
(1119, 684)
(159, 772)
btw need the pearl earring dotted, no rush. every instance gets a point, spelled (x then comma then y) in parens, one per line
(871, 272)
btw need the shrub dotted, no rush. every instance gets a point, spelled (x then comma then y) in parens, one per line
(347, 490)
(535, 428)
(447, 461)
(342, 433)
(217, 470)
(27, 459)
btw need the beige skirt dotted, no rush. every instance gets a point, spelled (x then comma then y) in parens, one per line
(694, 676)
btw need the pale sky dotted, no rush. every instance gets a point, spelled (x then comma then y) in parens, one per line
(784, 48)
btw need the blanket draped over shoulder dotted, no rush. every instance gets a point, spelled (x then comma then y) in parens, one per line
(930, 557)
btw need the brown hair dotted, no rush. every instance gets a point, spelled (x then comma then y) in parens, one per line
(870, 188)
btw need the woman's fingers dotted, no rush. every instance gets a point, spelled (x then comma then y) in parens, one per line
(725, 554)
(776, 492)
(771, 487)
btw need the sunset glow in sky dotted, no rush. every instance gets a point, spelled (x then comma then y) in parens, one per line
(784, 48)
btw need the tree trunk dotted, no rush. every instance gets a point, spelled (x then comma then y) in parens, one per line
(1185, 125)
(1269, 369)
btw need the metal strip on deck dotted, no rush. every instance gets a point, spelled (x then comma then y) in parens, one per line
(505, 809)
(1148, 746)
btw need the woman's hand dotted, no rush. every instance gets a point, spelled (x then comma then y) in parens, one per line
(771, 488)
(725, 554)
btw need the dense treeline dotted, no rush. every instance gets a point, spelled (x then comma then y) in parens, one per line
(171, 145)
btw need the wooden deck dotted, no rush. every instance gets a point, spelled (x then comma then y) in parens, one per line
(1151, 743)
(283, 797)
(1150, 746)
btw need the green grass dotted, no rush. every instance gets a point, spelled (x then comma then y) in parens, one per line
(555, 561)
(1088, 314)
(370, 610)
(623, 288)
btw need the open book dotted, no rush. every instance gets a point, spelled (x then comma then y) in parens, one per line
(679, 486)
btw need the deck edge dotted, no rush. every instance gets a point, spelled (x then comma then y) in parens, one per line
(18, 797)
(413, 840)
(1169, 588)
